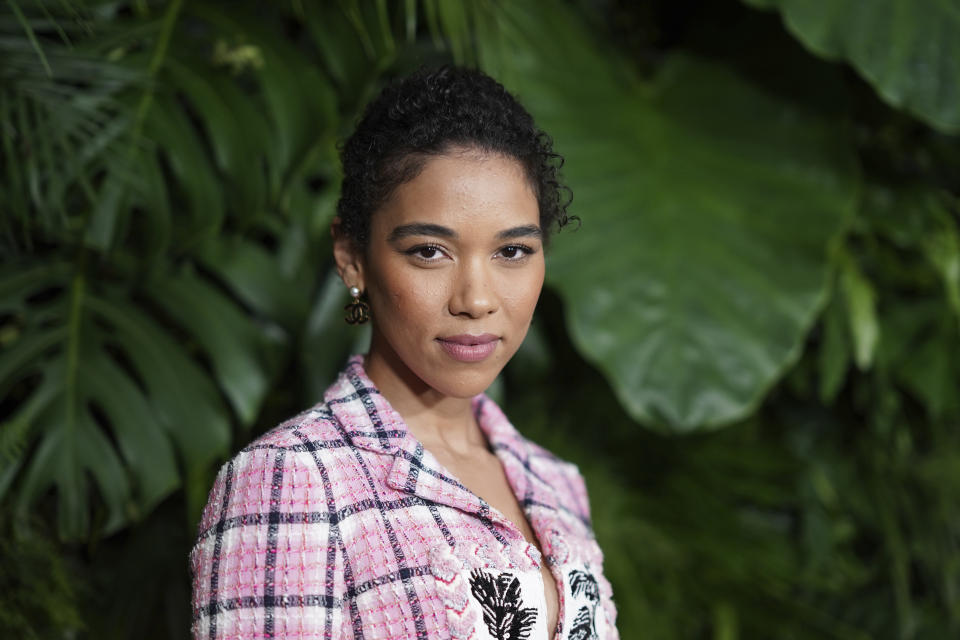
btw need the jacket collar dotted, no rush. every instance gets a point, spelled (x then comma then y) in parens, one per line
(370, 422)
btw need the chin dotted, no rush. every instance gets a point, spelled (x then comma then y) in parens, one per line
(461, 379)
(462, 384)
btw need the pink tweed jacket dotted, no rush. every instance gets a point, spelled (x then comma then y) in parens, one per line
(339, 524)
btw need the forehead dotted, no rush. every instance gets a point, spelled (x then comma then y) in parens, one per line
(466, 190)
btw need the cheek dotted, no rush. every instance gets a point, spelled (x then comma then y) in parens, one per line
(520, 294)
(408, 294)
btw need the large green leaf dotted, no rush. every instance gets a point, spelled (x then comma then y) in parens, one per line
(255, 277)
(907, 49)
(235, 131)
(105, 398)
(708, 205)
(240, 350)
(170, 127)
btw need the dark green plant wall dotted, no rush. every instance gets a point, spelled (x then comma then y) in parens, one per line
(750, 346)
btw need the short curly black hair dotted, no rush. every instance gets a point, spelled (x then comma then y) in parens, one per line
(428, 113)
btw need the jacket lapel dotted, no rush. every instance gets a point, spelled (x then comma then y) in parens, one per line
(535, 493)
(371, 423)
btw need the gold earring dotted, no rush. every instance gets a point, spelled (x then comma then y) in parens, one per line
(357, 310)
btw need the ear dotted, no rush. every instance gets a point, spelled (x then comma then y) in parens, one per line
(348, 256)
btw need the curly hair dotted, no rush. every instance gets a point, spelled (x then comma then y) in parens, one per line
(428, 113)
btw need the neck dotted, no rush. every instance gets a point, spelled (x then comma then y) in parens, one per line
(432, 417)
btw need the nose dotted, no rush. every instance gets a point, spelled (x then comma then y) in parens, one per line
(474, 293)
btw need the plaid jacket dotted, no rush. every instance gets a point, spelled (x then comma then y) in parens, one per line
(339, 524)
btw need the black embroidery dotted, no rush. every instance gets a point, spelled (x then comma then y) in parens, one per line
(584, 584)
(582, 628)
(503, 610)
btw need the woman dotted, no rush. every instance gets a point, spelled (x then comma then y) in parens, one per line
(405, 505)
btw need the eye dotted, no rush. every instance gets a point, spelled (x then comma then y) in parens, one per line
(426, 252)
(515, 252)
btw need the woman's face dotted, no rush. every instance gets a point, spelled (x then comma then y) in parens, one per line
(453, 271)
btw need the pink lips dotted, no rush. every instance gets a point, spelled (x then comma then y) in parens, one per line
(467, 348)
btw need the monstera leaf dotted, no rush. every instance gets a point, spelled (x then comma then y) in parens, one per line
(104, 390)
(907, 49)
(708, 205)
(154, 287)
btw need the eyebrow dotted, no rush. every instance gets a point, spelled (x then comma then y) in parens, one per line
(420, 229)
(525, 231)
(429, 229)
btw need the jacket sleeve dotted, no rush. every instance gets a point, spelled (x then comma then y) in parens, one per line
(267, 562)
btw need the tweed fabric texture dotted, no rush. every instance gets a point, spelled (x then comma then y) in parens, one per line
(339, 524)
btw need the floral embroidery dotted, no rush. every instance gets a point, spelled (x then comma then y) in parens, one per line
(584, 584)
(503, 611)
(583, 628)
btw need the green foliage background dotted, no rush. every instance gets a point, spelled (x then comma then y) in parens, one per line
(750, 346)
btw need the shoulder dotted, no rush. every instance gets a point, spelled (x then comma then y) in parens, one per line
(313, 428)
(284, 468)
(549, 462)
(307, 441)
(565, 478)
(271, 506)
